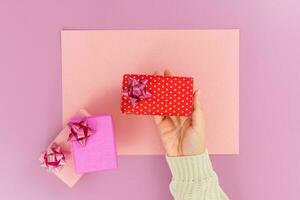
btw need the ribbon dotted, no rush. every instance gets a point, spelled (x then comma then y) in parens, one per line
(53, 158)
(80, 131)
(136, 91)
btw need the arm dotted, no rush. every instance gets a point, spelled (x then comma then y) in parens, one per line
(184, 141)
(194, 178)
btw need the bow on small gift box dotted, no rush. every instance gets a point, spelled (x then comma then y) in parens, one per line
(136, 91)
(80, 131)
(53, 158)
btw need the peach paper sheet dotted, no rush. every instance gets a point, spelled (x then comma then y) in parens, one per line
(93, 63)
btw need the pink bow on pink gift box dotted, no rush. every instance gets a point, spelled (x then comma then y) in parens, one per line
(53, 158)
(80, 131)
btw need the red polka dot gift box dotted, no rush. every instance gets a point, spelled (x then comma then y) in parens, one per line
(157, 95)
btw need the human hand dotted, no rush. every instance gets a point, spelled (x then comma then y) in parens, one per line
(182, 136)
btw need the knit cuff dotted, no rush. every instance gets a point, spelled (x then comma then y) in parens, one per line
(191, 168)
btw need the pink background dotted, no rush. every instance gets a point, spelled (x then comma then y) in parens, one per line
(93, 59)
(269, 162)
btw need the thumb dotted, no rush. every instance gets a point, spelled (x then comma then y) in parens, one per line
(197, 115)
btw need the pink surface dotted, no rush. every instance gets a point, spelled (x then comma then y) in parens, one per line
(93, 64)
(269, 162)
(99, 153)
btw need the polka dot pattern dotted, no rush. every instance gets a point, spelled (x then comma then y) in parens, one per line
(171, 96)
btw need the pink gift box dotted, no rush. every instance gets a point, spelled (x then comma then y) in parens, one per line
(67, 173)
(99, 152)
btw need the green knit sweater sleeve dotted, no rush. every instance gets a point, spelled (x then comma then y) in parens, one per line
(194, 178)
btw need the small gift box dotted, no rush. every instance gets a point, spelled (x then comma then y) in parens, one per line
(157, 95)
(85, 145)
(58, 157)
(93, 143)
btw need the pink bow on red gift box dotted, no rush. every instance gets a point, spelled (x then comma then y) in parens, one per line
(136, 91)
